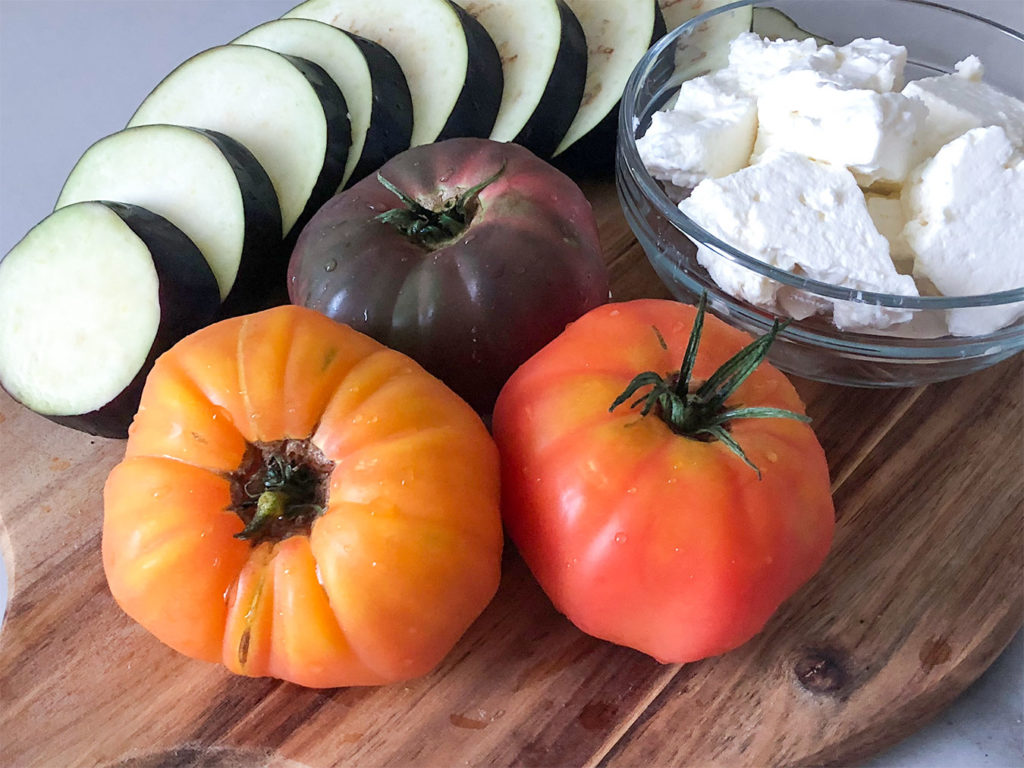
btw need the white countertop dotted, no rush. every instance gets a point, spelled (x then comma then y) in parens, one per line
(72, 71)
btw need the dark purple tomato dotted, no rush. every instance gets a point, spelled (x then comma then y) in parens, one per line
(468, 255)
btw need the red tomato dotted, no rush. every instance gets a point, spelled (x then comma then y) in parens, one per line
(670, 544)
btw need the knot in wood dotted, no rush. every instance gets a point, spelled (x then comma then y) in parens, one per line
(822, 671)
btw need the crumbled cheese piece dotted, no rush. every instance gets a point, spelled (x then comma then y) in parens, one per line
(887, 215)
(970, 68)
(709, 134)
(959, 102)
(754, 61)
(803, 216)
(870, 133)
(966, 224)
(874, 64)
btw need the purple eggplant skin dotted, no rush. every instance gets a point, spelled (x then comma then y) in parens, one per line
(263, 253)
(473, 307)
(390, 111)
(339, 141)
(189, 300)
(478, 103)
(557, 108)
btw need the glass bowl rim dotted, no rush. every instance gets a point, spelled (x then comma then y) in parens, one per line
(656, 196)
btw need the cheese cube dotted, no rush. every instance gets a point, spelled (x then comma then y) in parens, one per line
(959, 102)
(874, 64)
(870, 133)
(754, 61)
(709, 134)
(803, 216)
(965, 223)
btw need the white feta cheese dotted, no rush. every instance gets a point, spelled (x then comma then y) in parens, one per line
(887, 215)
(709, 134)
(959, 102)
(970, 68)
(870, 133)
(806, 217)
(965, 223)
(874, 64)
(754, 61)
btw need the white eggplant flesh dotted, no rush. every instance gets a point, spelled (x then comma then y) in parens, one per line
(89, 298)
(543, 54)
(775, 25)
(205, 183)
(708, 47)
(618, 32)
(375, 90)
(450, 62)
(285, 110)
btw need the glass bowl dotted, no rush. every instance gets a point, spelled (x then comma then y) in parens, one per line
(919, 351)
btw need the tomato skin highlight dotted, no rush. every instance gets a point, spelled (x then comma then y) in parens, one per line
(402, 558)
(641, 536)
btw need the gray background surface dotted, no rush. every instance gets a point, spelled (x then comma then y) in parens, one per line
(73, 71)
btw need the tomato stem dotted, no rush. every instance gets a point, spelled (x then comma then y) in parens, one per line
(428, 227)
(280, 490)
(697, 410)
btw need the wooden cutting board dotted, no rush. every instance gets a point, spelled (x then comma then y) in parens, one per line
(922, 590)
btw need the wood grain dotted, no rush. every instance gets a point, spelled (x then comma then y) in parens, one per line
(921, 592)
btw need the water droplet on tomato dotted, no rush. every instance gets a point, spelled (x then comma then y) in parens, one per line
(330, 266)
(620, 537)
(631, 490)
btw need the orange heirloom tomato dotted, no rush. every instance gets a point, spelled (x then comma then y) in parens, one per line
(679, 546)
(299, 501)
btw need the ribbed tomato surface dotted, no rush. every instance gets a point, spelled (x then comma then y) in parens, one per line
(373, 574)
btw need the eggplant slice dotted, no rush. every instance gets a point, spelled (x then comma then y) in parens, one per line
(89, 298)
(618, 32)
(206, 184)
(775, 25)
(450, 62)
(544, 63)
(375, 90)
(285, 110)
(708, 49)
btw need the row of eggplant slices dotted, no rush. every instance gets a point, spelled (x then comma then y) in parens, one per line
(188, 215)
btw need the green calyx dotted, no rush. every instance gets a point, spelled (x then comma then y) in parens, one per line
(281, 502)
(698, 410)
(433, 228)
